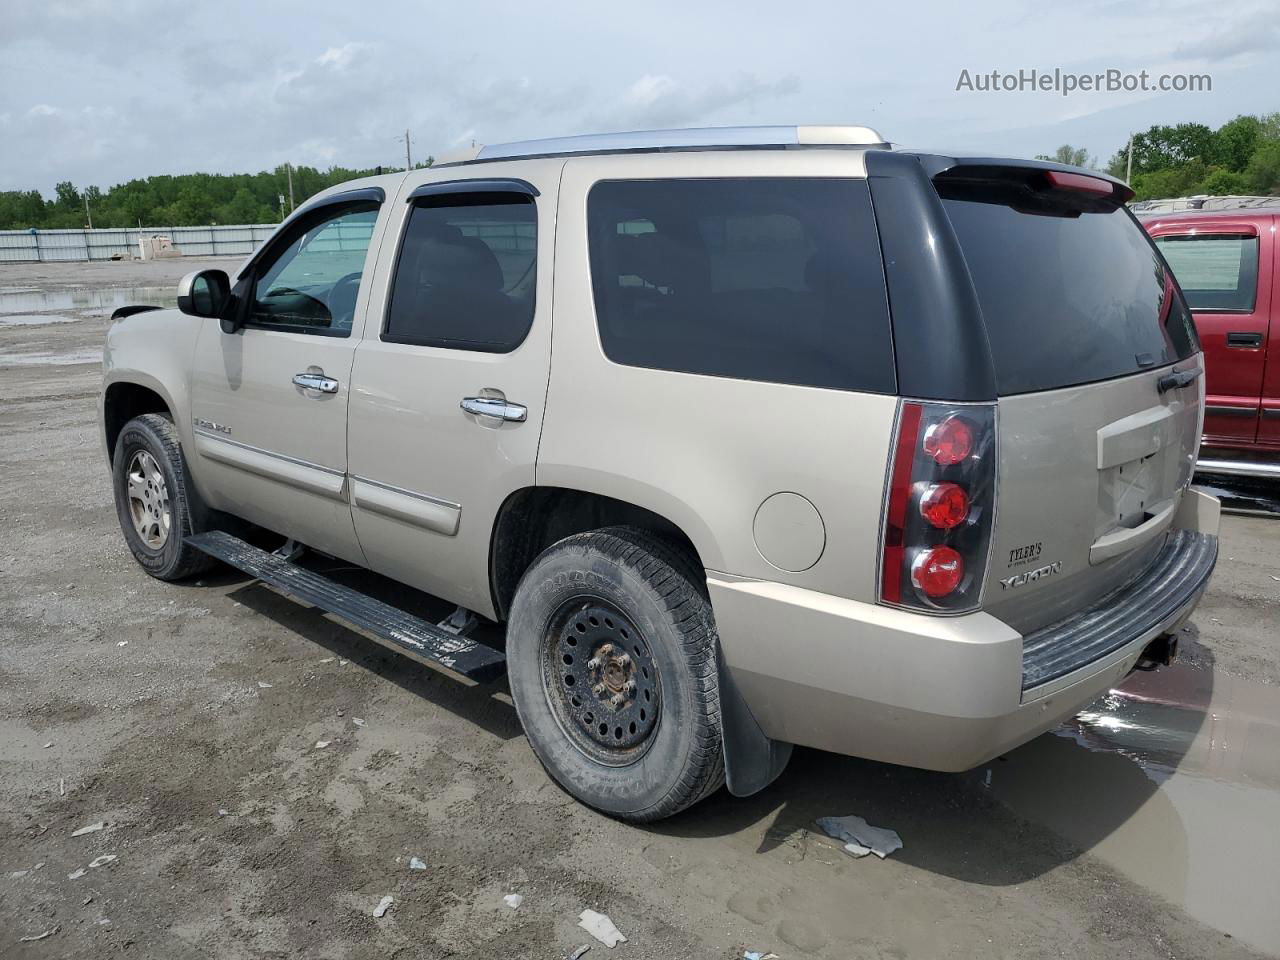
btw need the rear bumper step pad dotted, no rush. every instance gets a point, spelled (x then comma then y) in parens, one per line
(456, 653)
(1177, 575)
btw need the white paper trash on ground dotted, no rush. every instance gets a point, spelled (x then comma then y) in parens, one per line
(600, 927)
(383, 906)
(513, 900)
(860, 837)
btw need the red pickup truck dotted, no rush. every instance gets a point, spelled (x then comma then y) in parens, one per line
(1226, 264)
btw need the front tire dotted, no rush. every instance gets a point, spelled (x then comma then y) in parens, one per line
(155, 503)
(611, 657)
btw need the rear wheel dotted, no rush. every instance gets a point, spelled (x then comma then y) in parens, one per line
(611, 658)
(154, 500)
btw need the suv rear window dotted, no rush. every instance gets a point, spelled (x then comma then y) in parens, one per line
(775, 279)
(1216, 273)
(1070, 292)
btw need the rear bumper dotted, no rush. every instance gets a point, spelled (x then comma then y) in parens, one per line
(1239, 467)
(939, 693)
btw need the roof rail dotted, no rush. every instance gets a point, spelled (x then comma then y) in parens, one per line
(657, 141)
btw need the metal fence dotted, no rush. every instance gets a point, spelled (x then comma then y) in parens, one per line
(19, 246)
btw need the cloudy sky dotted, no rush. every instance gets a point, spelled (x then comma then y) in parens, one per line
(101, 91)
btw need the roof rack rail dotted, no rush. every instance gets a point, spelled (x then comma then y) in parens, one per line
(659, 141)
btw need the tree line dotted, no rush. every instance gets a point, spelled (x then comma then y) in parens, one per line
(1240, 157)
(192, 199)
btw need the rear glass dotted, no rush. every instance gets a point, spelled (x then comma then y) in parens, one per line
(1216, 274)
(778, 280)
(1069, 296)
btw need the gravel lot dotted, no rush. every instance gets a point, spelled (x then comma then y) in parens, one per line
(187, 720)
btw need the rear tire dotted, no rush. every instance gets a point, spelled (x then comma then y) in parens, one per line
(155, 502)
(611, 657)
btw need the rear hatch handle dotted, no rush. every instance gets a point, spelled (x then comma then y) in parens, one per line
(1178, 379)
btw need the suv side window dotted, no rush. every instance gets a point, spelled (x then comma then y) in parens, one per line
(466, 273)
(1217, 273)
(310, 284)
(776, 279)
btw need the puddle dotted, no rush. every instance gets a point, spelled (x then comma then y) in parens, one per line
(1174, 780)
(93, 301)
(1248, 494)
(50, 359)
(31, 320)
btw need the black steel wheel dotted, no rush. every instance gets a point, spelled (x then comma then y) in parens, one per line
(601, 680)
(611, 656)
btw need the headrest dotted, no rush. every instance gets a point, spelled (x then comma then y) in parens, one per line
(447, 258)
(661, 260)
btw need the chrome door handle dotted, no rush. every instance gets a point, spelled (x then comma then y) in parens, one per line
(493, 407)
(315, 381)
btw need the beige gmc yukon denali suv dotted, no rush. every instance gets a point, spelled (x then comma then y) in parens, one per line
(747, 438)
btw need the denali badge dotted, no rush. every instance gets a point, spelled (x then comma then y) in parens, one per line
(210, 425)
(1018, 579)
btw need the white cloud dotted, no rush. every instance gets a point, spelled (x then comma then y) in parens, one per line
(341, 57)
(43, 110)
(1253, 33)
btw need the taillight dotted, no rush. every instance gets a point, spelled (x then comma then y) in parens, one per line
(944, 505)
(938, 511)
(937, 571)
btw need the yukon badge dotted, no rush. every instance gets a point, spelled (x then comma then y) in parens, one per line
(1018, 579)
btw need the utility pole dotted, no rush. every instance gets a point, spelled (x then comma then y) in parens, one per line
(408, 159)
(289, 170)
(88, 216)
(1128, 172)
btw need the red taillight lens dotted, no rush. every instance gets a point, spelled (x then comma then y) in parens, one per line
(937, 571)
(949, 441)
(945, 505)
(939, 506)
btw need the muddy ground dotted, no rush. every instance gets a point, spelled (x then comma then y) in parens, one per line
(187, 719)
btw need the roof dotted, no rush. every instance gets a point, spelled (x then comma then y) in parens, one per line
(657, 141)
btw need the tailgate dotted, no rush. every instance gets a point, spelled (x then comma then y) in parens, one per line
(1089, 480)
(1099, 380)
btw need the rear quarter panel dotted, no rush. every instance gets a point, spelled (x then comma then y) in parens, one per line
(705, 452)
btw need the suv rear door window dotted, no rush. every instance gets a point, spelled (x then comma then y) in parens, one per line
(466, 273)
(1217, 274)
(1069, 294)
(777, 280)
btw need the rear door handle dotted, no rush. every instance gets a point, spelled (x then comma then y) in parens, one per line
(1244, 339)
(315, 381)
(495, 407)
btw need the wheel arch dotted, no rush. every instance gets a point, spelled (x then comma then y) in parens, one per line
(124, 399)
(533, 518)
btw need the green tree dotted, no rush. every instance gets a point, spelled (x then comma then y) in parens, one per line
(1235, 142)
(1075, 156)
(1262, 174)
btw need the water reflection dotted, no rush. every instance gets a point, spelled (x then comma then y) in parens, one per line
(1173, 778)
(90, 301)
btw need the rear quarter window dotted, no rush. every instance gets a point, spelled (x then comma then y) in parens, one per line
(1216, 273)
(775, 280)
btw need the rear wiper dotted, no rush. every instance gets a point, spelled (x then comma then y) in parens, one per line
(1176, 379)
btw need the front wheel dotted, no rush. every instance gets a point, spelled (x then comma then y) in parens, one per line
(611, 656)
(154, 499)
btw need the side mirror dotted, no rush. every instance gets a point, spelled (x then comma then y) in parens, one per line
(204, 293)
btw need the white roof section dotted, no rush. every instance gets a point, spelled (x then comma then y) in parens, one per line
(694, 138)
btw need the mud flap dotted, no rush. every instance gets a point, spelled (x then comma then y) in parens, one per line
(752, 760)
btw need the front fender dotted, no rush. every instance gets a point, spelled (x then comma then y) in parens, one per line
(153, 350)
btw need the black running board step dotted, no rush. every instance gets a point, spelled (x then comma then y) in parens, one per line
(456, 653)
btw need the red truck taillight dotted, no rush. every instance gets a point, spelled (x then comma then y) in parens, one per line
(939, 506)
